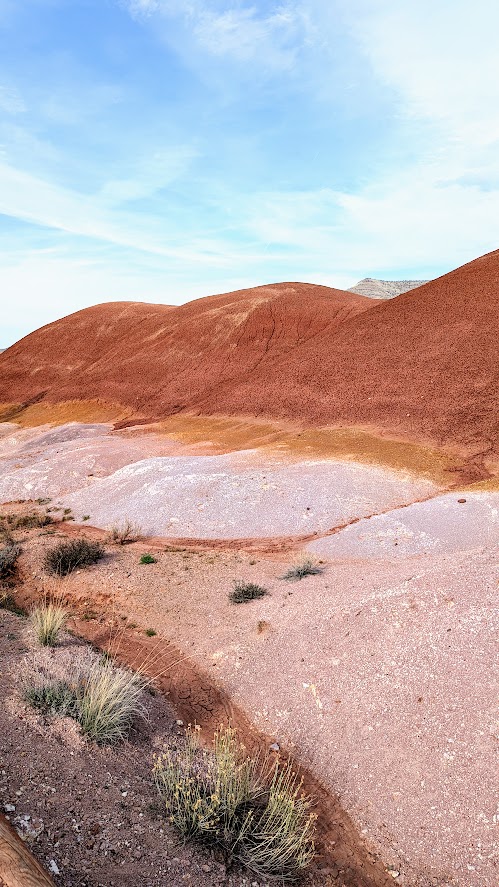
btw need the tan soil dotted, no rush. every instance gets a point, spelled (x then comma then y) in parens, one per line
(336, 635)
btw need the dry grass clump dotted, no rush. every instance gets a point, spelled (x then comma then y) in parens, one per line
(68, 556)
(305, 567)
(48, 619)
(246, 591)
(112, 697)
(253, 809)
(125, 533)
(102, 697)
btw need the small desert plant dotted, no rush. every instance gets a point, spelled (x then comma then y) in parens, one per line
(48, 619)
(53, 698)
(306, 567)
(251, 808)
(86, 517)
(8, 560)
(150, 632)
(109, 701)
(125, 532)
(68, 556)
(246, 591)
(103, 698)
(148, 559)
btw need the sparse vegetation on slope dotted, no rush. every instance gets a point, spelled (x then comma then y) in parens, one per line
(30, 521)
(8, 561)
(254, 810)
(69, 556)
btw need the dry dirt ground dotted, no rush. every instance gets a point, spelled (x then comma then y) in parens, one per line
(378, 675)
(91, 814)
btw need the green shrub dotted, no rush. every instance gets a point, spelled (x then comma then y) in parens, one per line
(307, 567)
(48, 619)
(246, 591)
(253, 810)
(68, 556)
(148, 559)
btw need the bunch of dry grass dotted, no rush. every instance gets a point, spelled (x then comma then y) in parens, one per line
(103, 698)
(69, 556)
(253, 809)
(48, 619)
(110, 700)
(125, 533)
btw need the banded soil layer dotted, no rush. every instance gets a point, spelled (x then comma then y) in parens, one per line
(423, 366)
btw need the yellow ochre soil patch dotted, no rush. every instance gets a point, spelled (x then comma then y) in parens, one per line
(45, 413)
(221, 435)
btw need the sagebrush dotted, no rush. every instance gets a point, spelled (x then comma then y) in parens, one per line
(9, 555)
(246, 591)
(305, 567)
(253, 809)
(69, 556)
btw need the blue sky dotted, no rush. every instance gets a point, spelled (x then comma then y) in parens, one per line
(162, 150)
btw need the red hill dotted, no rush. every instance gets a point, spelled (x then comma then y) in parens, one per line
(423, 365)
(158, 359)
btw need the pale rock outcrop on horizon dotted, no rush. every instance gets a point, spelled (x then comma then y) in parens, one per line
(384, 289)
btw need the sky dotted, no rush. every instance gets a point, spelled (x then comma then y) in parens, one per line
(163, 150)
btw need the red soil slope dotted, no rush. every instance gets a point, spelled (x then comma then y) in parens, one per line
(158, 359)
(423, 365)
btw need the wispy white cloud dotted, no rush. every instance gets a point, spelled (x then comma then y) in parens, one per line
(27, 197)
(236, 31)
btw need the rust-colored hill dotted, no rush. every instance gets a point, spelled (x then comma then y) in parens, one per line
(422, 366)
(158, 359)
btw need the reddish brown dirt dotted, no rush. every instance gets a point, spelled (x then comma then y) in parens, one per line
(422, 366)
(158, 359)
(197, 699)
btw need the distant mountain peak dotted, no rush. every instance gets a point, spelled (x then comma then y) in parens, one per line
(384, 289)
